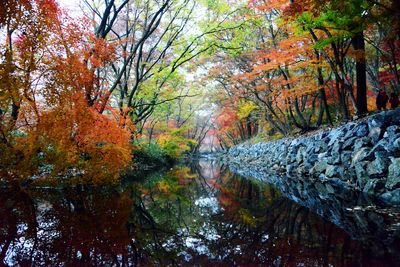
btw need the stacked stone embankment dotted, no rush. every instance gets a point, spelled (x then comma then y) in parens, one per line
(363, 155)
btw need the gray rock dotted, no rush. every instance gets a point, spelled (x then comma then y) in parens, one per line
(304, 169)
(362, 174)
(346, 157)
(361, 130)
(390, 143)
(363, 142)
(322, 155)
(396, 144)
(381, 146)
(374, 186)
(393, 115)
(329, 188)
(391, 197)
(275, 167)
(360, 155)
(322, 177)
(334, 171)
(334, 136)
(290, 168)
(311, 158)
(339, 183)
(376, 121)
(393, 179)
(335, 152)
(374, 133)
(378, 166)
(349, 131)
(292, 154)
(349, 143)
(322, 191)
(350, 173)
(392, 130)
(301, 153)
(356, 156)
(319, 167)
(320, 147)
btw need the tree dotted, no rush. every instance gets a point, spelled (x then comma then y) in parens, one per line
(304, 61)
(50, 102)
(153, 45)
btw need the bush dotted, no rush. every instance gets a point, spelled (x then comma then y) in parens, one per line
(174, 143)
(150, 155)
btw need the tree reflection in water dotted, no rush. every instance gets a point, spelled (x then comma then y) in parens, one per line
(198, 215)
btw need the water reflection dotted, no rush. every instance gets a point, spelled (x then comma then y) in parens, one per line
(201, 214)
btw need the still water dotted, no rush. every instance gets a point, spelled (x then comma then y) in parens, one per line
(197, 215)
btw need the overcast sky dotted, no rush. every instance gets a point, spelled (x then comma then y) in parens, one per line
(71, 5)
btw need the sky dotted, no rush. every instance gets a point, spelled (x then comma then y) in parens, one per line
(71, 5)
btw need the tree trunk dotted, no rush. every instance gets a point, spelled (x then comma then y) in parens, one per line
(361, 73)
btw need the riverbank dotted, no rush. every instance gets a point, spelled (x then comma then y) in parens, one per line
(363, 155)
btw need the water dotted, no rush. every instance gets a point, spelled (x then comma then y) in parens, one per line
(192, 215)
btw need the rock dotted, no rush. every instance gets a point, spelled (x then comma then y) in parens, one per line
(349, 130)
(334, 171)
(320, 147)
(393, 115)
(311, 158)
(374, 186)
(361, 130)
(392, 130)
(329, 188)
(322, 155)
(300, 155)
(393, 179)
(290, 168)
(396, 144)
(322, 191)
(346, 157)
(338, 183)
(350, 174)
(319, 167)
(348, 144)
(275, 167)
(362, 174)
(322, 177)
(390, 143)
(376, 121)
(299, 187)
(334, 136)
(374, 133)
(292, 154)
(391, 197)
(363, 142)
(378, 166)
(381, 146)
(304, 169)
(335, 152)
(360, 155)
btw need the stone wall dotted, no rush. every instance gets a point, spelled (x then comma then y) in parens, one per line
(362, 156)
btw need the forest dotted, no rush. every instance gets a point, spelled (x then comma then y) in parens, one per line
(91, 94)
(200, 133)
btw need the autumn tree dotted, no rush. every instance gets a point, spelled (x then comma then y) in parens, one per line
(50, 102)
(153, 44)
(310, 62)
(346, 25)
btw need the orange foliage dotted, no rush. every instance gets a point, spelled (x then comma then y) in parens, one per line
(285, 70)
(75, 136)
(58, 127)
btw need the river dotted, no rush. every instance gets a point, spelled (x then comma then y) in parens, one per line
(199, 214)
